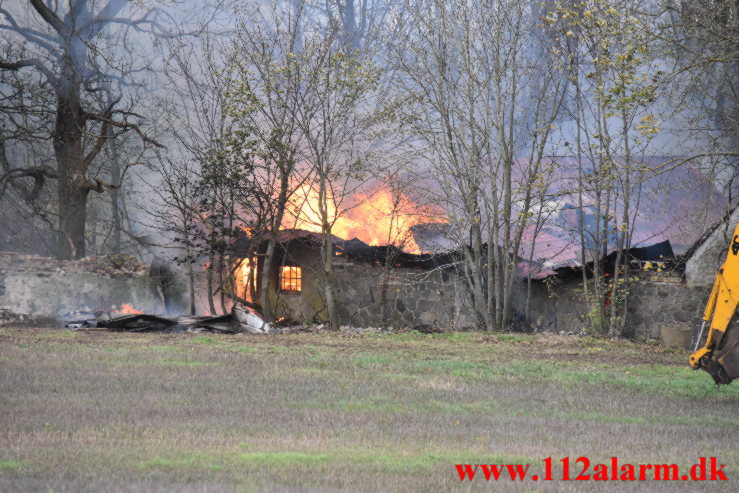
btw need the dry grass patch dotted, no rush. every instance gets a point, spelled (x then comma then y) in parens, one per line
(95, 410)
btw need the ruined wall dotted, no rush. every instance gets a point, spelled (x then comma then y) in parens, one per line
(700, 269)
(555, 305)
(308, 305)
(653, 303)
(439, 298)
(412, 297)
(46, 287)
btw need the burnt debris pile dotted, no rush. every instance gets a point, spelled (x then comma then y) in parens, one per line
(241, 320)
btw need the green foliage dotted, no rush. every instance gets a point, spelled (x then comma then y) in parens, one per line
(611, 45)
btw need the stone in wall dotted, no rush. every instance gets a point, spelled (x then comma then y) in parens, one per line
(554, 307)
(654, 305)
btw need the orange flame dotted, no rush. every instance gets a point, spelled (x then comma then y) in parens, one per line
(129, 309)
(382, 218)
(246, 276)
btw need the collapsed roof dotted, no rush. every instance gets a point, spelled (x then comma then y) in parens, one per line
(676, 206)
(672, 211)
(355, 249)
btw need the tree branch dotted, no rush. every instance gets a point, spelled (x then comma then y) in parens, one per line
(11, 175)
(125, 125)
(111, 19)
(100, 185)
(105, 16)
(99, 144)
(36, 37)
(30, 62)
(50, 17)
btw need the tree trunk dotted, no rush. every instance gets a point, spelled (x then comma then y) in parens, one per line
(72, 187)
(384, 312)
(72, 219)
(328, 277)
(191, 282)
(223, 282)
(209, 278)
(480, 300)
(266, 280)
(115, 178)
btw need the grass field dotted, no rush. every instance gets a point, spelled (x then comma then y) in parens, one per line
(100, 411)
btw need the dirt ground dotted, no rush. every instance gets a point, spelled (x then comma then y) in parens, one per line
(93, 410)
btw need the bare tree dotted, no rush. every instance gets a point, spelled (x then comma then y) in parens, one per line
(173, 215)
(606, 49)
(264, 94)
(465, 68)
(358, 24)
(698, 41)
(62, 44)
(335, 116)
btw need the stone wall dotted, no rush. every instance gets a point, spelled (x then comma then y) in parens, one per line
(412, 297)
(653, 304)
(439, 298)
(45, 287)
(555, 305)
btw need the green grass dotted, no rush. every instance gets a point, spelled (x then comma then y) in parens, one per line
(283, 458)
(185, 362)
(10, 465)
(322, 411)
(372, 460)
(162, 348)
(204, 340)
(243, 349)
(196, 461)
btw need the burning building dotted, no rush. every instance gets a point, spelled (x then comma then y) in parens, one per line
(377, 285)
(397, 286)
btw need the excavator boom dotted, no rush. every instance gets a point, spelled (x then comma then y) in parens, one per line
(719, 356)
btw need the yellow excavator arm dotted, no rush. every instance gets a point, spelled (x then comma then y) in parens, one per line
(719, 356)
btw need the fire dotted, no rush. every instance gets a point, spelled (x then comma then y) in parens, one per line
(246, 276)
(128, 309)
(381, 218)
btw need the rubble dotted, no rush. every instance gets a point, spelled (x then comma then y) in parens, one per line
(249, 320)
(359, 330)
(12, 318)
(241, 319)
(137, 322)
(113, 264)
(427, 329)
(8, 317)
(78, 319)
